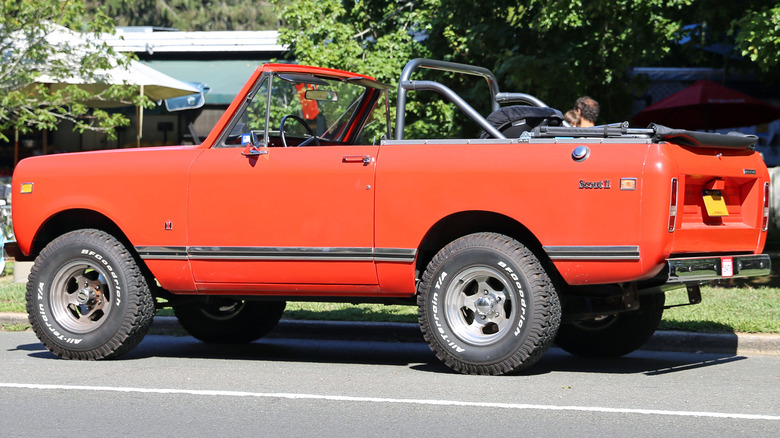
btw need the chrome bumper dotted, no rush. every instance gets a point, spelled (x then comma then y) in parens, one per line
(717, 268)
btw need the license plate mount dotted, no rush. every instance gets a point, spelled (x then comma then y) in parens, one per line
(726, 267)
(714, 203)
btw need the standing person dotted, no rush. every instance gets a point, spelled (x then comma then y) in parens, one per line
(588, 110)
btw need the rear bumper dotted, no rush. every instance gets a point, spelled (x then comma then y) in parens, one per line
(691, 269)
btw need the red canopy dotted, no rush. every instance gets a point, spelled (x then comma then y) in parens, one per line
(708, 105)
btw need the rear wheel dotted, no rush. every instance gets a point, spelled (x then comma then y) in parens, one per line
(87, 298)
(229, 321)
(486, 305)
(613, 335)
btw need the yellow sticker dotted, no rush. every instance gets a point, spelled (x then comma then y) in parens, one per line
(27, 187)
(714, 203)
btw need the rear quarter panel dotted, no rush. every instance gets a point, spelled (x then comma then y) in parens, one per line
(561, 201)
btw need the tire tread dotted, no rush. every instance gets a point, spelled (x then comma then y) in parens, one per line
(546, 305)
(140, 311)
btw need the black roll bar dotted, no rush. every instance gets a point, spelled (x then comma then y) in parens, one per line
(449, 94)
(405, 84)
(519, 97)
(496, 97)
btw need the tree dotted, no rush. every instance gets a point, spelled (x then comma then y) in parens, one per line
(29, 51)
(559, 50)
(190, 15)
(554, 49)
(758, 37)
(376, 38)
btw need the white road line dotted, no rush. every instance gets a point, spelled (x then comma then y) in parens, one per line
(292, 396)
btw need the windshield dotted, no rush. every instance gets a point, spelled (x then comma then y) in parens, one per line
(302, 105)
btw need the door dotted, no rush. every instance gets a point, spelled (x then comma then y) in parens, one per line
(285, 216)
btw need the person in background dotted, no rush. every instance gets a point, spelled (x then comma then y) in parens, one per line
(588, 110)
(572, 117)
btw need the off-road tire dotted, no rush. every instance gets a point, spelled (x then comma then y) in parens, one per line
(613, 335)
(496, 277)
(229, 321)
(87, 298)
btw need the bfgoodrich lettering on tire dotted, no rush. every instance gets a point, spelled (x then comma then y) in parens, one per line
(486, 305)
(87, 298)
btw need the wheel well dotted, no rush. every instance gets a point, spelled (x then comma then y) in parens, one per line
(76, 219)
(468, 222)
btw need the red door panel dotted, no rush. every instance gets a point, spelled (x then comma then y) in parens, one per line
(301, 215)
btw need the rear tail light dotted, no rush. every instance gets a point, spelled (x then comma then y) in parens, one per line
(673, 206)
(765, 219)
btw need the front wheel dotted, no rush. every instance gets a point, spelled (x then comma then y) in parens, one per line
(229, 321)
(613, 335)
(487, 306)
(87, 298)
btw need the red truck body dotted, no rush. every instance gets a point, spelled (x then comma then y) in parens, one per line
(349, 219)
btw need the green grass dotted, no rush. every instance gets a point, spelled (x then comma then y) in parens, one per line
(14, 327)
(722, 310)
(350, 312)
(745, 309)
(11, 295)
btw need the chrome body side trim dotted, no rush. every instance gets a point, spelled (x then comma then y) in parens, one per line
(282, 253)
(394, 255)
(592, 252)
(162, 252)
(711, 268)
(403, 255)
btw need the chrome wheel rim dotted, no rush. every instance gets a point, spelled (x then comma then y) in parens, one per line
(596, 324)
(479, 306)
(80, 297)
(223, 309)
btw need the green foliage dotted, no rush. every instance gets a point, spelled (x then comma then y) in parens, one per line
(190, 15)
(758, 37)
(556, 50)
(35, 40)
(376, 38)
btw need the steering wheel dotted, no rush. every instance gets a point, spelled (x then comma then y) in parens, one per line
(305, 125)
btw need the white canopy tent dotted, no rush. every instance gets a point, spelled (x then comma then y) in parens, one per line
(153, 84)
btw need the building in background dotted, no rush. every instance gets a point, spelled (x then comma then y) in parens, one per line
(218, 62)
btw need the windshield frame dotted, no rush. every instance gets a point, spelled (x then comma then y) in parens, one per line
(359, 110)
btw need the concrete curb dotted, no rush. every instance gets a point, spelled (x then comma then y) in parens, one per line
(675, 341)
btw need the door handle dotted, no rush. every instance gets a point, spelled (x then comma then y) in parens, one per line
(365, 159)
(252, 151)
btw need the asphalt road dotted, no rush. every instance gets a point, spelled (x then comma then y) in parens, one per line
(177, 386)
